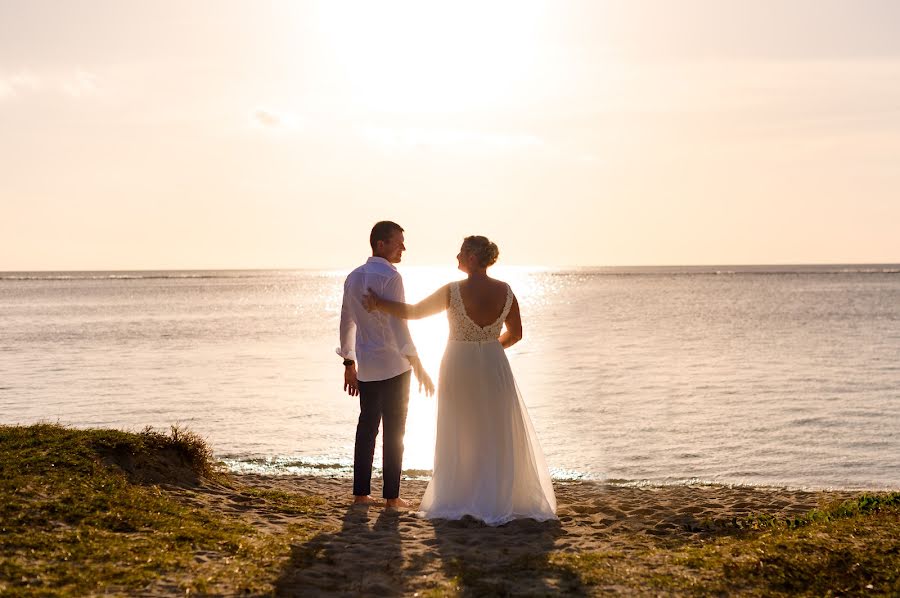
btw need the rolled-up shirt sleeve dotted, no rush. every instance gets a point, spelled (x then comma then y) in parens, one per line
(393, 290)
(347, 350)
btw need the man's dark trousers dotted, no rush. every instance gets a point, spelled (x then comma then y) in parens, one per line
(381, 400)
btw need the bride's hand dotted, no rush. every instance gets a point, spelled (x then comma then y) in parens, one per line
(370, 300)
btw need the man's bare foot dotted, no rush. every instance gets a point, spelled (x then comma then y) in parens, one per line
(396, 503)
(363, 500)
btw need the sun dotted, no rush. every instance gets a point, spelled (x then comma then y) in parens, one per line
(430, 337)
(425, 57)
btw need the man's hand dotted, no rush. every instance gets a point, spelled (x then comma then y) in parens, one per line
(421, 375)
(351, 385)
(425, 382)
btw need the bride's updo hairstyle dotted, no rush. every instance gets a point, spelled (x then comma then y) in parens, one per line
(483, 249)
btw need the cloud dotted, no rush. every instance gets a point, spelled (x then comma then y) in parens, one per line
(267, 118)
(75, 84)
(275, 119)
(79, 84)
(445, 138)
(18, 83)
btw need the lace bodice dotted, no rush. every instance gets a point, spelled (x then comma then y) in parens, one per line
(462, 328)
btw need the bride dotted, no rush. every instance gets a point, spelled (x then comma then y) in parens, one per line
(488, 463)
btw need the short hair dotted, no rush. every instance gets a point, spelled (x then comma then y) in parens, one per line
(482, 248)
(383, 231)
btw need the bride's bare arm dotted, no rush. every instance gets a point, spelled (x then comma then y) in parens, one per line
(513, 332)
(433, 304)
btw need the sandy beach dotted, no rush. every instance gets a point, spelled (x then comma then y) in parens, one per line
(378, 551)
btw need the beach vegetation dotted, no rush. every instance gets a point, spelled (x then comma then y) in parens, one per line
(88, 512)
(106, 511)
(289, 503)
(847, 548)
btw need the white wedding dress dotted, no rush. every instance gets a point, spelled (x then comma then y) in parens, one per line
(487, 460)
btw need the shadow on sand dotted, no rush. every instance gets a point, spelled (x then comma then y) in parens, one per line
(509, 560)
(360, 558)
(382, 552)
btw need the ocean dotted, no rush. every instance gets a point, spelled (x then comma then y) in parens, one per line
(759, 375)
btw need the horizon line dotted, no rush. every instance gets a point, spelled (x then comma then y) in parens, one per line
(534, 266)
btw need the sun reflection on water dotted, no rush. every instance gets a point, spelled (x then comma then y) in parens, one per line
(430, 337)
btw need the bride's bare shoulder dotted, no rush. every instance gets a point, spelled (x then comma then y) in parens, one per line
(501, 285)
(486, 287)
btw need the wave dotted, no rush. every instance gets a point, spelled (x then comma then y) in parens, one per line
(339, 467)
(290, 466)
(310, 467)
(343, 468)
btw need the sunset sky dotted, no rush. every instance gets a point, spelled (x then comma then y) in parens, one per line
(222, 134)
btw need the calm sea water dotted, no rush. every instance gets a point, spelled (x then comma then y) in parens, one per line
(754, 375)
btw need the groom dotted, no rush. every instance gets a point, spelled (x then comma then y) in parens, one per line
(378, 355)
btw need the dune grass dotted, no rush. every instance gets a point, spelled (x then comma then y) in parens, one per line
(72, 522)
(849, 548)
(87, 512)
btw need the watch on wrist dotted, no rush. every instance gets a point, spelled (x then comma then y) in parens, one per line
(349, 362)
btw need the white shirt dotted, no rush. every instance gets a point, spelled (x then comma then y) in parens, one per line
(376, 341)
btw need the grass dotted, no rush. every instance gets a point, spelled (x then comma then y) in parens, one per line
(284, 502)
(846, 549)
(75, 519)
(87, 512)
(849, 548)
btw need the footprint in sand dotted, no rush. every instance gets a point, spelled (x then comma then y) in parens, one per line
(665, 528)
(614, 528)
(693, 510)
(586, 509)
